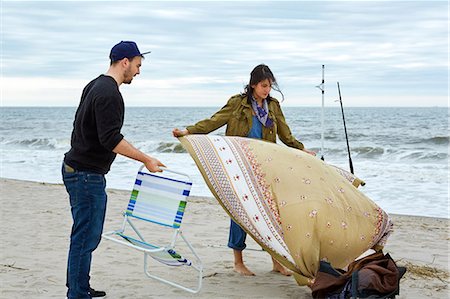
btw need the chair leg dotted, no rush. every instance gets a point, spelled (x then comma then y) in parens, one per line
(174, 284)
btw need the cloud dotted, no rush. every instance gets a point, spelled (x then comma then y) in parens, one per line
(375, 47)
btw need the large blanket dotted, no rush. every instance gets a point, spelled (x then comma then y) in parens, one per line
(297, 207)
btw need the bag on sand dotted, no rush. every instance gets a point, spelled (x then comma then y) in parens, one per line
(374, 276)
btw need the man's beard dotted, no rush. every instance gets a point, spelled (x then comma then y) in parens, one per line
(128, 77)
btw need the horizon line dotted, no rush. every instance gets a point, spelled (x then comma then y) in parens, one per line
(287, 106)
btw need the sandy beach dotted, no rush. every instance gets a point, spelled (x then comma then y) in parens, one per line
(36, 221)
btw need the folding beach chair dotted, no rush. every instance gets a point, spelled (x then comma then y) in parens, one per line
(159, 201)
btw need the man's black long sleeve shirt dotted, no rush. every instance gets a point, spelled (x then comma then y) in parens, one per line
(96, 128)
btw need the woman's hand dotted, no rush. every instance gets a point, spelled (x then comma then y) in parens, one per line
(179, 133)
(309, 152)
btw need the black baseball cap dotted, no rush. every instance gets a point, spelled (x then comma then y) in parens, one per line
(125, 49)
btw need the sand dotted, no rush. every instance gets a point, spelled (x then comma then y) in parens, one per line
(35, 228)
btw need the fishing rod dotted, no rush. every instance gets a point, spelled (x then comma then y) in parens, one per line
(345, 129)
(322, 88)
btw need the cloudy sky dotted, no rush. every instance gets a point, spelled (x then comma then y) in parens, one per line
(383, 53)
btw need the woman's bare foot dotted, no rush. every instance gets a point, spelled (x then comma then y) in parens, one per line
(239, 265)
(277, 267)
(243, 270)
(310, 283)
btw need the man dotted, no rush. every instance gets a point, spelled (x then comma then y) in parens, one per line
(96, 139)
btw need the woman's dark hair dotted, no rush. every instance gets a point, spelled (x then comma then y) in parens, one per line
(259, 73)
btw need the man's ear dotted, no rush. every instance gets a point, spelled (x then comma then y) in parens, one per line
(125, 62)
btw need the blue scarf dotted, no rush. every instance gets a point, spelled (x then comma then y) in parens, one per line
(262, 113)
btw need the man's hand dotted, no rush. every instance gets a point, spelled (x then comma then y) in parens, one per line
(153, 165)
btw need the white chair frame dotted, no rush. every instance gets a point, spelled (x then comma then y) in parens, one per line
(148, 248)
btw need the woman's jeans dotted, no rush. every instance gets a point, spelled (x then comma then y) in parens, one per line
(88, 206)
(236, 239)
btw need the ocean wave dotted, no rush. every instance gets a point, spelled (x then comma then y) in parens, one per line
(424, 156)
(393, 154)
(440, 140)
(170, 147)
(36, 143)
(368, 151)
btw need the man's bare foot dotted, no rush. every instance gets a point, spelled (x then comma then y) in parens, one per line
(277, 267)
(243, 270)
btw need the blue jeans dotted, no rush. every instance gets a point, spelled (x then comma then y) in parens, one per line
(236, 239)
(88, 206)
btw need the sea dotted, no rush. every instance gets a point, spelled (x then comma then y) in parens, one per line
(401, 153)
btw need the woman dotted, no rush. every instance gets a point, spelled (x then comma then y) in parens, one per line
(253, 114)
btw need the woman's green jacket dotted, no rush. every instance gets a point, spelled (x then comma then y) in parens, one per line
(237, 115)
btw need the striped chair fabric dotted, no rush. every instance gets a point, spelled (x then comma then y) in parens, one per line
(158, 199)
